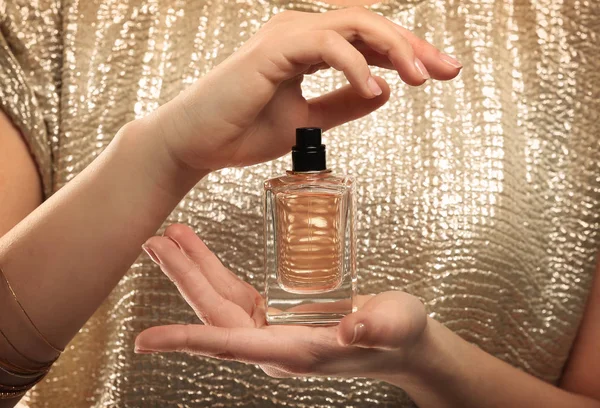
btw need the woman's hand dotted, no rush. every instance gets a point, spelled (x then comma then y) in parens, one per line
(390, 338)
(245, 110)
(376, 341)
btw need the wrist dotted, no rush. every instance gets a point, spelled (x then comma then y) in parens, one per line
(144, 147)
(179, 129)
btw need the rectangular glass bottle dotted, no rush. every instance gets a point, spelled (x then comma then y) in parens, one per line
(309, 246)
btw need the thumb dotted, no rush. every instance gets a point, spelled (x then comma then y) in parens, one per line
(390, 320)
(344, 105)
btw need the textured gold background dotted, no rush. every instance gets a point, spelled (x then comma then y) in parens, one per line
(481, 195)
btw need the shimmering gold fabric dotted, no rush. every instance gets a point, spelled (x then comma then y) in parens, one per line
(481, 195)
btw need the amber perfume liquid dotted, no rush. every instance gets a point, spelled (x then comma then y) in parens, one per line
(309, 247)
(310, 225)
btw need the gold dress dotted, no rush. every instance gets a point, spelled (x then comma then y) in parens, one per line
(481, 195)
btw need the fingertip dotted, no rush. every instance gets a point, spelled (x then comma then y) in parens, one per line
(384, 86)
(178, 232)
(157, 248)
(142, 351)
(439, 66)
(140, 343)
(162, 241)
(446, 73)
(374, 88)
(176, 243)
(159, 245)
(351, 329)
(188, 241)
(344, 105)
(413, 77)
(379, 90)
(150, 242)
(151, 254)
(343, 338)
(161, 338)
(442, 67)
(450, 61)
(421, 69)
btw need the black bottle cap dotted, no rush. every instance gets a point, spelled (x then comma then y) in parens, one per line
(309, 153)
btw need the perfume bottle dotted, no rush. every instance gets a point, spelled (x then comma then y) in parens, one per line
(310, 261)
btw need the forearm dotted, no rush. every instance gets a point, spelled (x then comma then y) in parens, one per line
(66, 256)
(447, 371)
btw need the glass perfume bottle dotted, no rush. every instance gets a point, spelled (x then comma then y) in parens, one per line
(310, 261)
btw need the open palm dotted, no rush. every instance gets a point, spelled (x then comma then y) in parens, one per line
(372, 341)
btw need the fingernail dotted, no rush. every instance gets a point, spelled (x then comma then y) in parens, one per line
(450, 61)
(374, 86)
(176, 243)
(359, 331)
(421, 68)
(151, 254)
(142, 351)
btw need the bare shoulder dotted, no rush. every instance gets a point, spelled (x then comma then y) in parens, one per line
(581, 373)
(20, 184)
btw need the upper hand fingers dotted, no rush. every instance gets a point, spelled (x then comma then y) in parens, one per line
(373, 57)
(387, 44)
(399, 45)
(440, 66)
(314, 48)
(357, 23)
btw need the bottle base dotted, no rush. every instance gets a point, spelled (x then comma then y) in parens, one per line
(317, 308)
(310, 319)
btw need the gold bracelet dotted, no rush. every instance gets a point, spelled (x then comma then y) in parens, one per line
(42, 366)
(17, 391)
(14, 295)
(32, 375)
(6, 395)
(21, 372)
